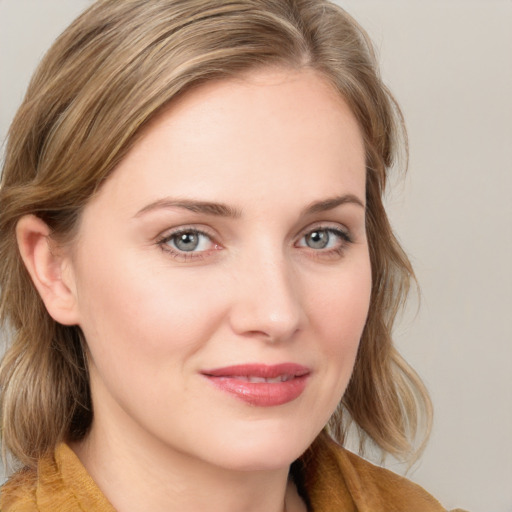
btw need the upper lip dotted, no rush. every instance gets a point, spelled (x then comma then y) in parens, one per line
(264, 371)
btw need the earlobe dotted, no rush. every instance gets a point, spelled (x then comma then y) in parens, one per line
(48, 267)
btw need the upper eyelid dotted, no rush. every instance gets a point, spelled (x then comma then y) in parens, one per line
(327, 226)
(163, 240)
(166, 236)
(208, 232)
(344, 235)
(170, 232)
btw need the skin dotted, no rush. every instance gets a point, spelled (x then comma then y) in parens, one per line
(255, 290)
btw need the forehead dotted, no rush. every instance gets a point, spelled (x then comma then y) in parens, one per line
(264, 102)
(276, 131)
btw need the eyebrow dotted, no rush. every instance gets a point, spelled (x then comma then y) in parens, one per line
(224, 210)
(333, 202)
(206, 207)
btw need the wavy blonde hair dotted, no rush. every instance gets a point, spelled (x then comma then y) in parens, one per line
(113, 70)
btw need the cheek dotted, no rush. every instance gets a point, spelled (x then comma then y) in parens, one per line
(136, 311)
(338, 316)
(340, 309)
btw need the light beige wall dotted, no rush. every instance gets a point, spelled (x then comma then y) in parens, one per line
(449, 64)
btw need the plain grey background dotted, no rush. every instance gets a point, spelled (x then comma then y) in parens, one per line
(449, 64)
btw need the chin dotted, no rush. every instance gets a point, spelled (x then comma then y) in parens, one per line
(263, 461)
(263, 453)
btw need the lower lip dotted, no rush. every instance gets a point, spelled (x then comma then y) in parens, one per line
(261, 394)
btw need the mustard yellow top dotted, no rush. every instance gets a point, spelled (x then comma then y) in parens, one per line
(334, 480)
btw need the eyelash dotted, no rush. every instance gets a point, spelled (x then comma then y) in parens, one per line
(345, 239)
(163, 242)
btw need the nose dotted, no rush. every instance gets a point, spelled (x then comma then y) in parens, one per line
(267, 302)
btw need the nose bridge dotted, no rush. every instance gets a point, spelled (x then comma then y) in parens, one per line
(268, 299)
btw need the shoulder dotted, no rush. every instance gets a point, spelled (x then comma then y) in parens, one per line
(18, 494)
(338, 479)
(383, 486)
(60, 483)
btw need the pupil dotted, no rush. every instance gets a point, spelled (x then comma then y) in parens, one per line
(187, 242)
(318, 239)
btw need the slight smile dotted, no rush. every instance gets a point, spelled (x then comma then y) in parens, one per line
(259, 384)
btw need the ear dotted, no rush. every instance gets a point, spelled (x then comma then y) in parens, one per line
(49, 267)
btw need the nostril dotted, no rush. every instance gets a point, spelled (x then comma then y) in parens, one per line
(267, 302)
(269, 321)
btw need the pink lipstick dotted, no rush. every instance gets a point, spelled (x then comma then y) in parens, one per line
(259, 384)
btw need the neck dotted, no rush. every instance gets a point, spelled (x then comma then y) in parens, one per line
(146, 475)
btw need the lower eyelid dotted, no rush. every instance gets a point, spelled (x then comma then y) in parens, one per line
(166, 244)
(345, 238)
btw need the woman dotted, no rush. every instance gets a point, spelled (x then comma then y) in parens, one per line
(197, 268)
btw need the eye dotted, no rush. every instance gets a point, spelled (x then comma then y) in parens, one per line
(318, 239)
(187, 241)
(322, 239)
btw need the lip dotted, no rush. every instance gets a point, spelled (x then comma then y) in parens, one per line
(260, 384)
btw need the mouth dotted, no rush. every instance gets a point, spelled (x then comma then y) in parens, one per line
(261, 385)
(252, 378)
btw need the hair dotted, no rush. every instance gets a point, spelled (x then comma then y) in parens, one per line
(111, 72)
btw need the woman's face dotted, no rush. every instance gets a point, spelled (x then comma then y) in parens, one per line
(222, 275)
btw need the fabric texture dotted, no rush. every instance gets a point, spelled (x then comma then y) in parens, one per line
(332, 480)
